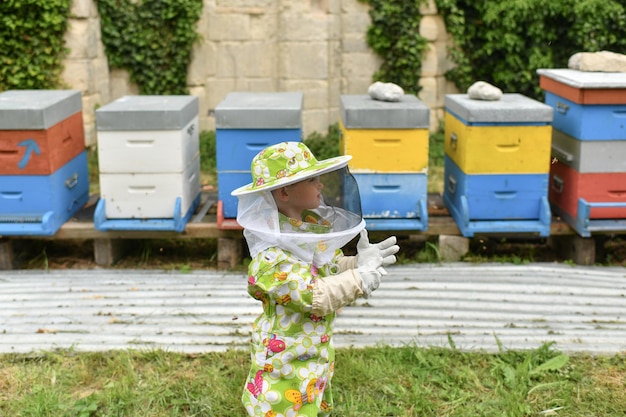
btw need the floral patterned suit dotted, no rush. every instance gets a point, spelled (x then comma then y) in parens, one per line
(292, 352)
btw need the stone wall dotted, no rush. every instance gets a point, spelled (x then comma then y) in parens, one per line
(316, 47)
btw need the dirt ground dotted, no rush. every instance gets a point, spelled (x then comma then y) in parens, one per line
(202, 253)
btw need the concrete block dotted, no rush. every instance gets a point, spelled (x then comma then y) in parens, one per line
(432, 28)
(355, 23)
(120, 84)
(82, 38)
(434, 62)
(107, 251)
(437, 116)
(100, 83)
(217, 88)
(356, 85)
(304, 60)
(260, 85)
(90, 134)
(316, 121)
(580, 250)
(83, 9)
(229, 252)
(354, 7)
(244, 4)
(354, 43)
(77, 73)
(428, 93)
(90, 102)
(6, 255)
(264, 26)
(452, 248)
(360, 65)
(245, 59)
(304, 27)
(229, 27)
(203, 63)
(203, 107)
(433, 92)
(316, 92)
(428, 8)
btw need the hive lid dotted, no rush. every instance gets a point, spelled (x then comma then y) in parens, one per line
(585, 79)
(37, 109)
(241, 110)
(147, 113)
(362, 111)
(511, 108)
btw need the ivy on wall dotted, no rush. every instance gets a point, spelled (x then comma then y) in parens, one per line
(32, 47)
(394, 36)
(505, 42)
(501, 42)
(152, 39)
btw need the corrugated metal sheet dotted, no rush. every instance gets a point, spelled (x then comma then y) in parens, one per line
(471, 306)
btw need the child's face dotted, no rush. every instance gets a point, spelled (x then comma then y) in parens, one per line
(303, 195)
(306, 195)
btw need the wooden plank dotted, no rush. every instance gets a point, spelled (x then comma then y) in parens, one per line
(86, 230)
(437, 225)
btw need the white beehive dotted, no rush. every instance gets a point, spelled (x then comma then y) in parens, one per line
(148, 153)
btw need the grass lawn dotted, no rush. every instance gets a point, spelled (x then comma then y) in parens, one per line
(379, 381)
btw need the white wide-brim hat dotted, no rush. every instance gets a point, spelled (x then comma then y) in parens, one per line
(286, 163)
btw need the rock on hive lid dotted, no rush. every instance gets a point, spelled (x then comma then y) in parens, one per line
(363, 112)
(147, 113)
(260, 111)
(37, 109)
(511, 108)
(584, 79)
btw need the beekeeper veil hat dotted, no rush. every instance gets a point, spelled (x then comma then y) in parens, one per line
(339, 213)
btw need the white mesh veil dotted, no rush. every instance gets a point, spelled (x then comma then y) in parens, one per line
(258, 214)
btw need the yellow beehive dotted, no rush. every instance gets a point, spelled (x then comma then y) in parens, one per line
(383, 136)
(498, 149)
(385, 150)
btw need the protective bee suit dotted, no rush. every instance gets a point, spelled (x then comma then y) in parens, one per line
(301, 277)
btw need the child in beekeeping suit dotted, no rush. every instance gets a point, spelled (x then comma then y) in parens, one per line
(297, 214)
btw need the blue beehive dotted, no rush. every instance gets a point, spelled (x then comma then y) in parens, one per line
(396, 201)
(245, 123)
(40, 204)
(45, 179)
(588, 122)
(482, 203)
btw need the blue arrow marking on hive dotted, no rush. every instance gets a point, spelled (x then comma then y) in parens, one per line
(31, 146)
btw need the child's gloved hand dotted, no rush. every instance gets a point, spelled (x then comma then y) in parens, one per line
(370, 278)
(382, 253)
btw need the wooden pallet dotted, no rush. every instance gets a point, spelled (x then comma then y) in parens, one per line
(204, 225)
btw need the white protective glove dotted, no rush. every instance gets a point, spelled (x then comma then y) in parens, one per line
(370, 278)
(376, 254)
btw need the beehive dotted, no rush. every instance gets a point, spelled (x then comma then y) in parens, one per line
(245, 123)
(43, 162)
(589, 148)
(388, 142)
(497, 160)
(148, 151)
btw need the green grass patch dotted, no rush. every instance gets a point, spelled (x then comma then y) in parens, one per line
(377, 381)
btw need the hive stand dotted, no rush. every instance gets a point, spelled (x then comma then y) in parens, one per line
(109, 245)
